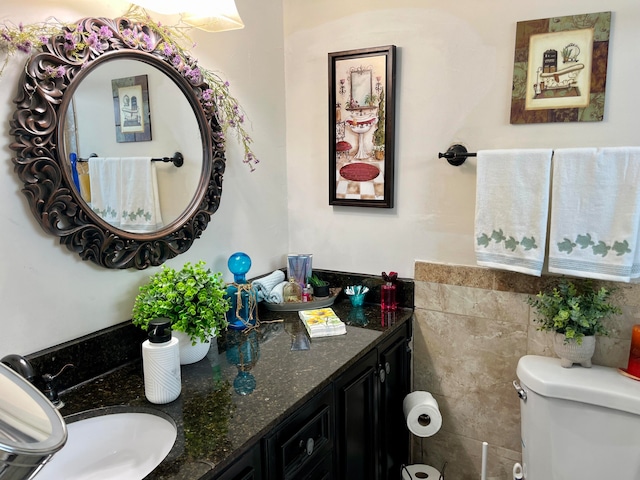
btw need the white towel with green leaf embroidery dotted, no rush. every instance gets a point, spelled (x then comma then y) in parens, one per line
(512, 209)
(139, 196)
(106, 180)
(124, 192)
(595, 213)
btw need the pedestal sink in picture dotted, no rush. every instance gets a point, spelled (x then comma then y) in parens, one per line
(361, 126)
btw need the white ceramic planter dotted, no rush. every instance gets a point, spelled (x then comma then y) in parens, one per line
(571, 352)
(191, 353)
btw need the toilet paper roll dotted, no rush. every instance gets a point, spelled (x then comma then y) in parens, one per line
(420, 472)
(422, 414)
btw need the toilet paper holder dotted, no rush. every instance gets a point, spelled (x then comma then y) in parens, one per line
(424, 419)
(422, 414)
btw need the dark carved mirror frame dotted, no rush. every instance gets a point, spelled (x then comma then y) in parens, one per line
(39, 162)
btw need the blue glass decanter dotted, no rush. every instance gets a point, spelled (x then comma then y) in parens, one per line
(242, 296)
(243, 351)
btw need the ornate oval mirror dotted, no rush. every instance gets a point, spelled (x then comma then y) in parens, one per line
(123, 97)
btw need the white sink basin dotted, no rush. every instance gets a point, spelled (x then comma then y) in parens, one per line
(122, 446)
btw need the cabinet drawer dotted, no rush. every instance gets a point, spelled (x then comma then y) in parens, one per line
(323, 470)
(247, 467)
(303, 440)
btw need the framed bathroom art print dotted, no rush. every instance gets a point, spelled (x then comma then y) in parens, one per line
(361, 127)
(131, 109)
(560, 69)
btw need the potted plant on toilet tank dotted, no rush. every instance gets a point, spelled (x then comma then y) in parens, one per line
(574, 311)
(193, 299)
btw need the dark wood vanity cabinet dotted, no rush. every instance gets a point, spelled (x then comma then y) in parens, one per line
(302, 446)
(247, 467)
(353, 429)
(372, 441)
(299, 448)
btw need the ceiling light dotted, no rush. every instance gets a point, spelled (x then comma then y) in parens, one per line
(208, 15)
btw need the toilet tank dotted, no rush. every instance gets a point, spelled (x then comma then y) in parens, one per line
(578, 423)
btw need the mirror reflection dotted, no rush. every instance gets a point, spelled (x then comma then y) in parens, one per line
(124, 117)
(68, 108)
(361, 87)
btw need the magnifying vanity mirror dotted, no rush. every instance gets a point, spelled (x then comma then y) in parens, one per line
(82, 115)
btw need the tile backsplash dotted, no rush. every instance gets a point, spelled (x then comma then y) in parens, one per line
(471, 327)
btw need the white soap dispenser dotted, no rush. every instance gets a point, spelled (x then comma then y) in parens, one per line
(161, 363)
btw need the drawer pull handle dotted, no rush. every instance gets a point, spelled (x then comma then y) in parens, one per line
(310, 444)
(383, 375)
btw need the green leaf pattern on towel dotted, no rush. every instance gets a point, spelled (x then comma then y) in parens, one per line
(621, 248)
(138, 213)
(106, 213)
(584, 241)
(110, 213)
(510, 243)
(600, 248)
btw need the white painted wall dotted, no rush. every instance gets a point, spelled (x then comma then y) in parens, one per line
(455, 61)
(454, 76)
(47, 294)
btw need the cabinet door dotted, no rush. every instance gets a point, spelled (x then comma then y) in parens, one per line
(357, 419)
(247, 467)
(394, 360)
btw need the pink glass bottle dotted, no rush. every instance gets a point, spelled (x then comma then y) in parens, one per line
(388, 297)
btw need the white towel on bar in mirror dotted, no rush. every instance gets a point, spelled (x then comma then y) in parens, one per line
(124, 192)
(105, 183)
(512, 208)
(595, 213)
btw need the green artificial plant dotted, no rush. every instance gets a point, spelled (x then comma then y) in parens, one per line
(192, 298)
(574, 309)
(315, 281)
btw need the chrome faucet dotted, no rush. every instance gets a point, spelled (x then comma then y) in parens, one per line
(22, 366)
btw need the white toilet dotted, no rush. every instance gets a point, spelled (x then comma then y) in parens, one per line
(578, 423)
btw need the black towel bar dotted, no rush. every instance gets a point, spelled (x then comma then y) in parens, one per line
(177, 159)
(456, 155)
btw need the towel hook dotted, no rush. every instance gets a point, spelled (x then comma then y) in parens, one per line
(456, 155)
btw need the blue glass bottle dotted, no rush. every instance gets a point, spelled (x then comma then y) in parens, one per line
(242, 296)
(243, 351)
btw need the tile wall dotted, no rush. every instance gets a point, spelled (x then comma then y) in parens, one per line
(471, 326)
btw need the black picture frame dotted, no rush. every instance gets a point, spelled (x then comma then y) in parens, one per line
(131, 109)
(362, 127)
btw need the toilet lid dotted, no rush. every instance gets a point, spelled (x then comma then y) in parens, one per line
(420, 472)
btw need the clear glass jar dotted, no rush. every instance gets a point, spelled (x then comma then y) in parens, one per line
(292, 292)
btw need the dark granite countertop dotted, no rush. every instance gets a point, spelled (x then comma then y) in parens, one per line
(215, 423)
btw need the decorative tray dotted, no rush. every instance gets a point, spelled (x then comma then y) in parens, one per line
(320, 302)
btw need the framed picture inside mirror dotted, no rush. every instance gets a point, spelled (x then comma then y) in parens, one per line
(361, 127)
(131, 109)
